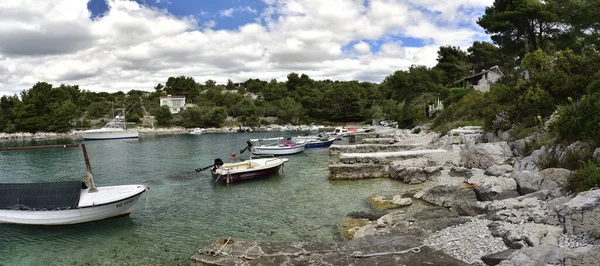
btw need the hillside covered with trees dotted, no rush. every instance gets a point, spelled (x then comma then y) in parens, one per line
(547, 50)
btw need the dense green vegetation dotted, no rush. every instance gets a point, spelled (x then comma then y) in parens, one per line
(547, 50)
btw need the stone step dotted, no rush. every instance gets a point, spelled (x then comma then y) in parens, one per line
(385, 157)
(367, 148)
(357, 171)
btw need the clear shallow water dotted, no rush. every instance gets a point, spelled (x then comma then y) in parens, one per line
(187, 210)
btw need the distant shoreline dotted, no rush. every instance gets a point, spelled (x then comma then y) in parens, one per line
(142, 131)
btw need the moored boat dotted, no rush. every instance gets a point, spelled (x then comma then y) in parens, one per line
(320, 143)
(315, 141)
(65, 202)
(114, 129)
(196, 131)
(274, 146)
(249, 169)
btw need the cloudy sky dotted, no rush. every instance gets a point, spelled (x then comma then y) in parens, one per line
(119, 45)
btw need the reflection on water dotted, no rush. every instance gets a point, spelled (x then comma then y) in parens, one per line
(187, 210)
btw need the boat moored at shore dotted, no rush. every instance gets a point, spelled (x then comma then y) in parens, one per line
(65, 202)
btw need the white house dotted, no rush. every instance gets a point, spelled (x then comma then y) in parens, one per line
(483, 80)
(175, 103)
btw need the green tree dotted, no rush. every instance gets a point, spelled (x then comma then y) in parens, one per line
(63, 117)
(246, 111)
(97, 109)
(162, 115)
(483, 55)
(290, 111)
(453, 62)
(519, 26)
(181, 86)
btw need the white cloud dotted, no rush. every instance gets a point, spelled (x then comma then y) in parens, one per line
(229, 12)
(226, 12)
(134, 47)
(362, 48)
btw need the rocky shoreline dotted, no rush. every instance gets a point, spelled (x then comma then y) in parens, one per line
(485, 204)
(144, 131)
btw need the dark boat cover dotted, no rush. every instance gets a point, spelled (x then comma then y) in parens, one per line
(39, 196)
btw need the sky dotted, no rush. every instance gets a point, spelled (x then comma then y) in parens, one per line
(120, 45)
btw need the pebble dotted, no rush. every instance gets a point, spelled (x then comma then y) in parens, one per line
(467, 242)
(574, 241)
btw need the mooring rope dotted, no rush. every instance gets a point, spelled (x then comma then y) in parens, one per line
(224, 244)
(147, 198)
(355, 254)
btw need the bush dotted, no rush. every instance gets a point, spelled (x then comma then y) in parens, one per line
(549, 160)
(579, 120)
(584, 178)
(576, 158)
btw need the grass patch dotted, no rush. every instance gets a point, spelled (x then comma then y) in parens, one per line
(584, 178)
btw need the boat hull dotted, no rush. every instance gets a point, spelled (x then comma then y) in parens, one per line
(96, 211)
(249, 169)
(237, 177)
(277, 150)
(319, 144)
(107, 135)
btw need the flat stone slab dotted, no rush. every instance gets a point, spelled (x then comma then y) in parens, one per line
(375, 250)
(384, 157)
(357, 171)
(368, 148)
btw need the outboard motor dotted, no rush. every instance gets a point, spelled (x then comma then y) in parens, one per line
(217, 163)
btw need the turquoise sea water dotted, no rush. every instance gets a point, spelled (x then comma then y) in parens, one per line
(186, 210)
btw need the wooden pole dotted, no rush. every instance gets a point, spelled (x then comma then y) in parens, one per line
(88, 167)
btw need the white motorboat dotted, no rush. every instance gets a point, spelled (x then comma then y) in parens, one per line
(65, 202)
(196, 131)
(274, 146)
(114, 129)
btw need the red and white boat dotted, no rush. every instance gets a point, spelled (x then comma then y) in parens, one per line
(250, 169)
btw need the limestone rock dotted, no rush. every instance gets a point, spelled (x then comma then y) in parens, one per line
(554, 178)
(530, 163)
(596, 155)
(547, 179)
(413, 171)
(496, 188)
(531, 234)
(496, 258)
(448, 195)
(357, 171)
(498, 170)
(484, 155)
(248, 252)
(581, 214)
(379, 141)
(385, 202)
(527, 181)
(540, 255)
(518, 210)
(461, 172)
